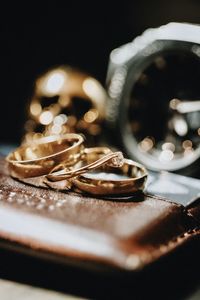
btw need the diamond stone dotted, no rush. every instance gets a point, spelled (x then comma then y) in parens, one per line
(118, 161)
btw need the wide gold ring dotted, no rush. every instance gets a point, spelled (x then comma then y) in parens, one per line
(124, 180)
(41, 156)
(91, 159)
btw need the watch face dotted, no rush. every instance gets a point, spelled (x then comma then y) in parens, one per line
(164, 110)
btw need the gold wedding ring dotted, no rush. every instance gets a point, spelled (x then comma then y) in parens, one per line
(41, 156)
(91, 159)
(124, 180)
(62, 161)
(118, 176)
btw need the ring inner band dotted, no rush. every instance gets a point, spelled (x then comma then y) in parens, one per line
(109, 173)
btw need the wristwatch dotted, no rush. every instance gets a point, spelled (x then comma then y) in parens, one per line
(154, 98)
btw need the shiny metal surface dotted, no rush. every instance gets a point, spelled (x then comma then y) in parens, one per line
(65, 100)
(153, 87)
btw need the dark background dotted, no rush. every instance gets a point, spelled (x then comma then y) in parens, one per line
(35, 37)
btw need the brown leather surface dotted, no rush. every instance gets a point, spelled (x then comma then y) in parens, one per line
(125, 233)
(194, 210)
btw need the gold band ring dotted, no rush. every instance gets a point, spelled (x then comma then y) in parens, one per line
(125, 180)
(92, 158)
(41, 156)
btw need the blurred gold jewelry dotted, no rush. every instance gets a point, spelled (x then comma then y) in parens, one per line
(91, 158)
(41, 156)
(66, 100)
(125, 180)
